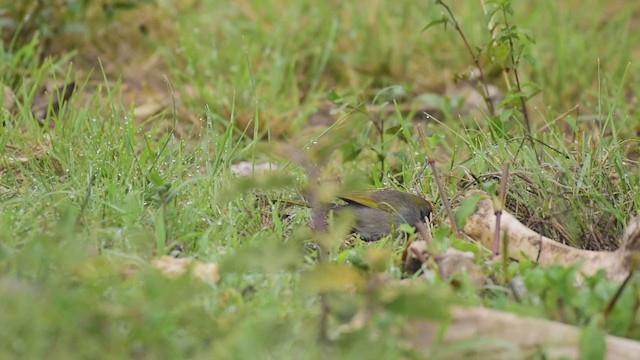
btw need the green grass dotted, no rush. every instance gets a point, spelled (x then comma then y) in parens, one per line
(86, 204)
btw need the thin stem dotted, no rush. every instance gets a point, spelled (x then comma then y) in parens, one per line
(523, 103)
(382, 153)
(616, 296)
(636, 307)
(422, 229)
(496, 235)
(474, 57)
(443, 195)
(499, 207)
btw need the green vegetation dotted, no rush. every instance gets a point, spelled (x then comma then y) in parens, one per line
(138, 160)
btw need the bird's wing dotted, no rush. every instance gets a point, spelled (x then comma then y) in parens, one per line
(365, 200)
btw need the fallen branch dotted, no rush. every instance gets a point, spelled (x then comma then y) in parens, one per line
(502, 335)
(525, 242)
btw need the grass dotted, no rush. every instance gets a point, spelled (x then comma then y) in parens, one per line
(87, 202)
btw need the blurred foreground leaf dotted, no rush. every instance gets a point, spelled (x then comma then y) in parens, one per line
(325, 278)
(418, 301)
(592, 343)
(271, 256)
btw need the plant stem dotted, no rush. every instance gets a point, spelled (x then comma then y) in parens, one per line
(616, 296)
(523, 103)
(500, 206)
(474, 57)
(443, 195)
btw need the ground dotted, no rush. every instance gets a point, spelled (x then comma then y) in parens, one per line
(124, 122)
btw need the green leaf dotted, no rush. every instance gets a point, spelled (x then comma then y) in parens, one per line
(160, 233)
(466, 245)
(156, 179)
(501, 53)
(334, 97)
(490, 187)
(466, 209)
(443, 20)
(350, 151)
(393, 130)
(592, 343)
(397, 132)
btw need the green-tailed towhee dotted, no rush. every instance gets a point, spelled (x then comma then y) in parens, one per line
(379, 212)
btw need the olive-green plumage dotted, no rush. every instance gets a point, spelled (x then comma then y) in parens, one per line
(378, 212)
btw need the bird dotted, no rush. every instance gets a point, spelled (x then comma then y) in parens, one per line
(378, 213)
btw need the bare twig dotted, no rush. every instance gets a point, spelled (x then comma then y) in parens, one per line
(499, 206)
(443, 195)
(502, 192)
(422, 229)
(496, 236)
(443, 273)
